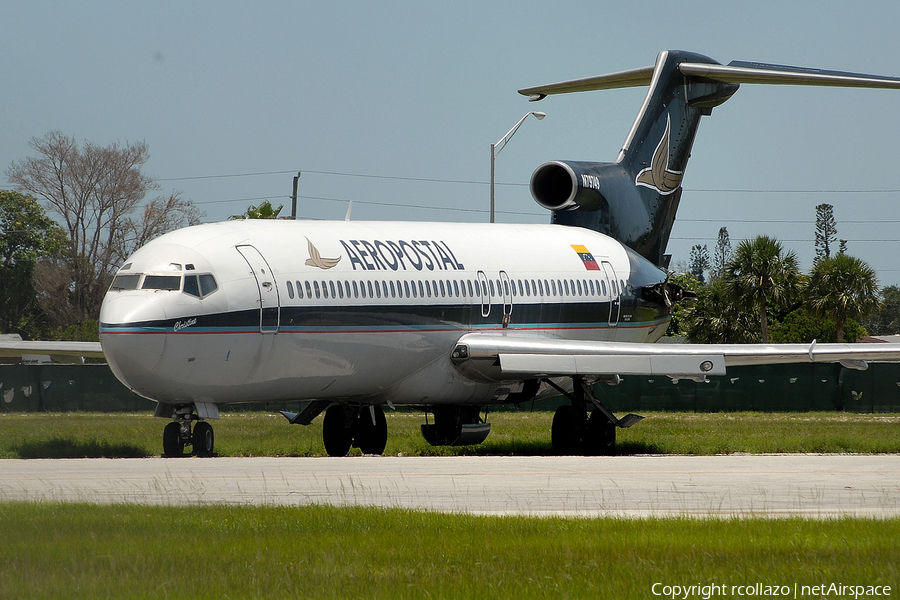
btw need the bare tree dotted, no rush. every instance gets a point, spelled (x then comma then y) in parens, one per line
(95, 190)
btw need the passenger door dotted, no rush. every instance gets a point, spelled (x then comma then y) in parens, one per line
(269, 302)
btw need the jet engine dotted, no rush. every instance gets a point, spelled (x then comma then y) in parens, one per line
(569, 185)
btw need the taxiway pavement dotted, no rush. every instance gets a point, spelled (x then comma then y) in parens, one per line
(737, 485)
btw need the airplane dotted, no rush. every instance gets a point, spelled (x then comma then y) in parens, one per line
(352, 317)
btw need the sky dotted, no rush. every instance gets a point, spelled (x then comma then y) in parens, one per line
(393, 106)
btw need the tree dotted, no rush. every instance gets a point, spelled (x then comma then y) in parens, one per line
(264, 211)
(801, 326)
(699, 262)
(722, 254)
(886, 320)
(714, 317)
(826, 231)
(26, 235)
(842, 287)
(95, 189)
(761, 273)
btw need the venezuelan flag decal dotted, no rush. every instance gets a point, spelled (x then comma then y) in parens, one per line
(587, 258)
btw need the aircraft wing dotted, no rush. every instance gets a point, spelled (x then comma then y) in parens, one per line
(66, 352)
(492, 357)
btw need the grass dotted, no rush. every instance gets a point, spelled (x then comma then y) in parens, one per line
(82, 551)
(74, 435)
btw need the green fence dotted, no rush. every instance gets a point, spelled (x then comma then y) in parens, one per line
(771, 388)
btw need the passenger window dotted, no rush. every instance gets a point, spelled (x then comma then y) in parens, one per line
(191, 287)
(325, 289)
(385, 288)
(553, 284)
(393, 291)
(355, 290)
(506, 287)
(316, 285)
(566, 283)
(521, 289)
(469, 285)
(369, 285)
(456, 288)
(331, 285)
(290, 287)
(492, 287)
(377, 290)
(428, 288)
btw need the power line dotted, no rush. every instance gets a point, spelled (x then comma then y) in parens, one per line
(471, 182)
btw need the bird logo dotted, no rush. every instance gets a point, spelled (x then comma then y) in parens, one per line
(315, 259)
(658, 176)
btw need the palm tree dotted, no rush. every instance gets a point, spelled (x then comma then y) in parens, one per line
(761, 273)
(842, 287)
(264, 211)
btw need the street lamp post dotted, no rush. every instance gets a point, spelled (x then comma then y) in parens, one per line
(497, 148)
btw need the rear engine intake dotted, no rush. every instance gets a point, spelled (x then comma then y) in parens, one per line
(559, 185)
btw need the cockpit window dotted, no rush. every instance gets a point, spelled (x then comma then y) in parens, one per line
(125, 282)
(162, 282)
(200, 285)
(207, 284)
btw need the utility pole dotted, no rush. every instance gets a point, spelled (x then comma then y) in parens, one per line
(294, 197)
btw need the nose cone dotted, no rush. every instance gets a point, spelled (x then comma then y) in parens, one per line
(132, 334)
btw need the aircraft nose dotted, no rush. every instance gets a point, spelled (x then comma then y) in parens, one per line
(132, 335)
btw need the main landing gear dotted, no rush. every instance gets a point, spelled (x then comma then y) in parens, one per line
(346, 426)
(575, 432)
(178, 434)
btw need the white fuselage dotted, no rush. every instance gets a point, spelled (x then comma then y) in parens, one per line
(246, 311)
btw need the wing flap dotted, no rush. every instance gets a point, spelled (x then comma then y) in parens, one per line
(489, 357)
(694, 365)
(59, 351)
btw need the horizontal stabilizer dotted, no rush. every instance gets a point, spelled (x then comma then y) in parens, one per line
(750, 72)
(735, 72)
(622, 79)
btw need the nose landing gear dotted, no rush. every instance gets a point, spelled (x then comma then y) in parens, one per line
(178, 434)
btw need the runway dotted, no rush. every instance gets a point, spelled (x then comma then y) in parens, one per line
(819, 486)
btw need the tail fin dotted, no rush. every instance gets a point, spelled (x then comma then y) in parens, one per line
(634, 199)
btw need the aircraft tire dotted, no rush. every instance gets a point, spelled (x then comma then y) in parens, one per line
(173, 445)
(335, 434)
(563, 435)
(601, 434)
(371, 439)
(204, 439)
